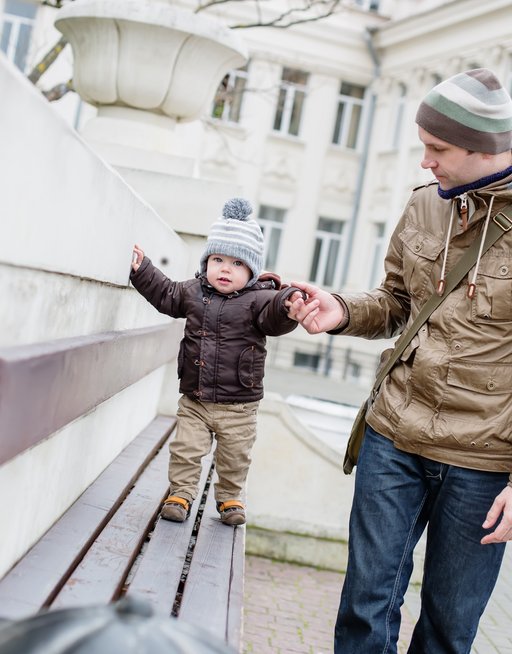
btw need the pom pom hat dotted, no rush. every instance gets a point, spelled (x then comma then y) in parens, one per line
(471, 110)
(236, 235)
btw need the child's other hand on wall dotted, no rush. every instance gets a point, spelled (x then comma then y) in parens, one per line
(137, 256)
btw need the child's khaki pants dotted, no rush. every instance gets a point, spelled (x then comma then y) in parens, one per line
(234, 427)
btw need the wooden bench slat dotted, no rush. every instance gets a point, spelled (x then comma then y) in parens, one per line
(99, 576)
(157, 576)
(31, 583)
(236, 591)
(207, 589)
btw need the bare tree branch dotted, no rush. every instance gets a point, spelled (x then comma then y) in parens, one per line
(47, 60)
(58, 91)
(310, 11)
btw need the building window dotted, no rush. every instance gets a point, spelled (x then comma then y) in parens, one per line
(396, 133)
(353, 372)
(291, 101)
(305, 360)
(228, 99)
(271, 220)
(327, 259)
(15, 29)
(348, 118)
(377, 254)
(369, 5)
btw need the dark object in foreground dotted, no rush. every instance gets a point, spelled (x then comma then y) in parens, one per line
(127, 626)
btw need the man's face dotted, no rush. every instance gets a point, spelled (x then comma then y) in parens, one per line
(227, 274)
(451, 165)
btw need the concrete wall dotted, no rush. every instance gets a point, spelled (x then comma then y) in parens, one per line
(298, 496)
(67, 225)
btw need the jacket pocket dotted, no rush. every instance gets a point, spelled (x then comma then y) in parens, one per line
(419, 252)
(476, 412)
(251, 367)
(181, 359)
(478, 393)
(485, 378)
(493, 298)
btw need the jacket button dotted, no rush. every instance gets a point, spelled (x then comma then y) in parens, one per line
(457, 346)
(417, 247)
(486, 445)
(473, 444)
(491, 385)
(503, 270)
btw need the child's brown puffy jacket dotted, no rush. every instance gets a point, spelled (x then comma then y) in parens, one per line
(222, 354)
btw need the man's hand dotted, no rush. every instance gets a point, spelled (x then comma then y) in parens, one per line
(502, 506)
(137, 256)
(320, 312)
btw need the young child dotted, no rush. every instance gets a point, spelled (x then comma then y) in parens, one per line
(229, 311)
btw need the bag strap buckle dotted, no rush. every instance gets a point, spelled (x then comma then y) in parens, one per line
(503, 221)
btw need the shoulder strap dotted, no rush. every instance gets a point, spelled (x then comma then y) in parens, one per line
(500, 223)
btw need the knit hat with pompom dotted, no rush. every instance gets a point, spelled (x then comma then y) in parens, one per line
(236, 235)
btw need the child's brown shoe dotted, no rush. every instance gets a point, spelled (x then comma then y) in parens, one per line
(176, 509)
(232, 512)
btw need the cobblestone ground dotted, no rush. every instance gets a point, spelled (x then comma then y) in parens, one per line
(291, 609)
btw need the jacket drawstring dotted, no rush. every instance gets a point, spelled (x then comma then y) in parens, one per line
(442, 281)
(472, 285)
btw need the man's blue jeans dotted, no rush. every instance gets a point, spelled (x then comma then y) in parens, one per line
(396, 496)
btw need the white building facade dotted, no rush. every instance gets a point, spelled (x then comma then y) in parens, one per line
(317, 131)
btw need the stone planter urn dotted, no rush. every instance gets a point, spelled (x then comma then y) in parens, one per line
(146, 61)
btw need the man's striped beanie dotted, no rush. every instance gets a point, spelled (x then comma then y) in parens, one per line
(471, 110)
(236, 235)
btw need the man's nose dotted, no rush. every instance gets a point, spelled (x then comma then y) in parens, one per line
(428, 162)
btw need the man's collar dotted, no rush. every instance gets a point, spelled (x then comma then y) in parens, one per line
(474, 186)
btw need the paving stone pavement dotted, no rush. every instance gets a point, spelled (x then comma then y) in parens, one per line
(291, 609)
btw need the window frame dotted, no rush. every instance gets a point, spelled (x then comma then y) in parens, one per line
(16, 22)
(323, 239)
(230, 92)
(295, 94)
(344, 130)
(272, 229)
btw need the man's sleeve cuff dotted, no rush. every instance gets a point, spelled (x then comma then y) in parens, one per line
(346, 317)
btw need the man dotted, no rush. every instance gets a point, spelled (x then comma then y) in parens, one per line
(437, 451)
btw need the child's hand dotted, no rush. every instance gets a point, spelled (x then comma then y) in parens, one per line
(137, 256)
(295, 296)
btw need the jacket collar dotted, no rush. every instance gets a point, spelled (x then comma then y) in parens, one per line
(478, 184)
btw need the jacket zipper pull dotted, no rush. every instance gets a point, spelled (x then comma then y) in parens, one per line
(464, 210)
